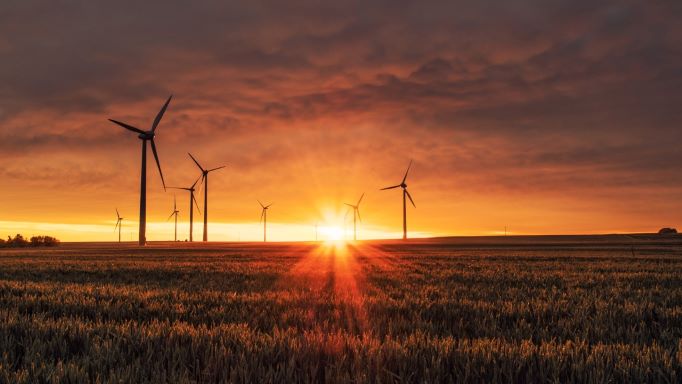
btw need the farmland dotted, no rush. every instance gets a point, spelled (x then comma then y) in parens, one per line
(543, 310)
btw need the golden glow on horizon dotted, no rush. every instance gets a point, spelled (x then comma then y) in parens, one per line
(218, 231)
(32, 210)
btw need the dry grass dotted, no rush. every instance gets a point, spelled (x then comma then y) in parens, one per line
(370, 313)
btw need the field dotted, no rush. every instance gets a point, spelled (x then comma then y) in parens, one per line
(592, 309)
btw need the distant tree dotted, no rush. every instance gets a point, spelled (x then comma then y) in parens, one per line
(17, 242)
(44, 241)
(667, 231)
(50, 241)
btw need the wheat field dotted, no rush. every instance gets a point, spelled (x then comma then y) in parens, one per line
(426, 312)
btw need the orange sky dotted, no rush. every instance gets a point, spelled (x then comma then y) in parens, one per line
(545, 118)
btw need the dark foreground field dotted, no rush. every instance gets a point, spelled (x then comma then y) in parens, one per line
(441, 311)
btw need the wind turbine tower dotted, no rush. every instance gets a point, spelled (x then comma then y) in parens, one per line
(204, 178)
(146, 136)
(119, 219)
(264, 219)
(191, 207)
(406, 194)
(356, 215)
(175, 213)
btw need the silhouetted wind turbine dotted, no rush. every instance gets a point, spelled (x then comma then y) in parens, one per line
(146, 136)
(204, 177)
(191, 207)
(175, 213)
(356, 210)
(264, 219)
(405, 193)
(119, 219)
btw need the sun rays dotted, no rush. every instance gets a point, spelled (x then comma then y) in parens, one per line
(333, 277)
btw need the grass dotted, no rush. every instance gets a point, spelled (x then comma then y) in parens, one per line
(417, 312)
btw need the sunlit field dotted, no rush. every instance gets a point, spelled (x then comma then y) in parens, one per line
(599, 310)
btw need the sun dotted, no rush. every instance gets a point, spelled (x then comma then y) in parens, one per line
(332, 233)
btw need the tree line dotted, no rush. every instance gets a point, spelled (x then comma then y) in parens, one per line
(20, 241)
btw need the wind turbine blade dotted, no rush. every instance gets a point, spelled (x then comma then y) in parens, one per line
(261, 204)
(395, 186)
(116, 226)
(156, 157)
(197, 204)
(201, 183)
(195, 183)
(358, 211)
(411, 201)
(126, 126)
(215, 169)
(118, 215)
(160, 114)
(195, 161)
(406, 172)
(350, 205)
(269, 205)
(184, 189)
(175, 204)
(363, 195)
(262, 213)
(171, 215)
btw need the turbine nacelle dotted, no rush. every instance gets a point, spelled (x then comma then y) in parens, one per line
(149, 135)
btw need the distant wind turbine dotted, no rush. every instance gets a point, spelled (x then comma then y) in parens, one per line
(264, 219)
(191, 207)
(175, 213)
(146, 136)
(119, 219)
(405, 193)
(356, 211)
(204, 178)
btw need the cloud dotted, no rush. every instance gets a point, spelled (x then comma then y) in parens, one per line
(489, 97)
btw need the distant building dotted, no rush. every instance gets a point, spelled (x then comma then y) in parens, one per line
(667, 231)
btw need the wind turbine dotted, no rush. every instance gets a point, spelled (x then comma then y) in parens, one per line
(119, 219)
(356, 210)
(191, 207)
(204, 178)
(405, 193)
(146, 136)
(264, 219)
(175, 213)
